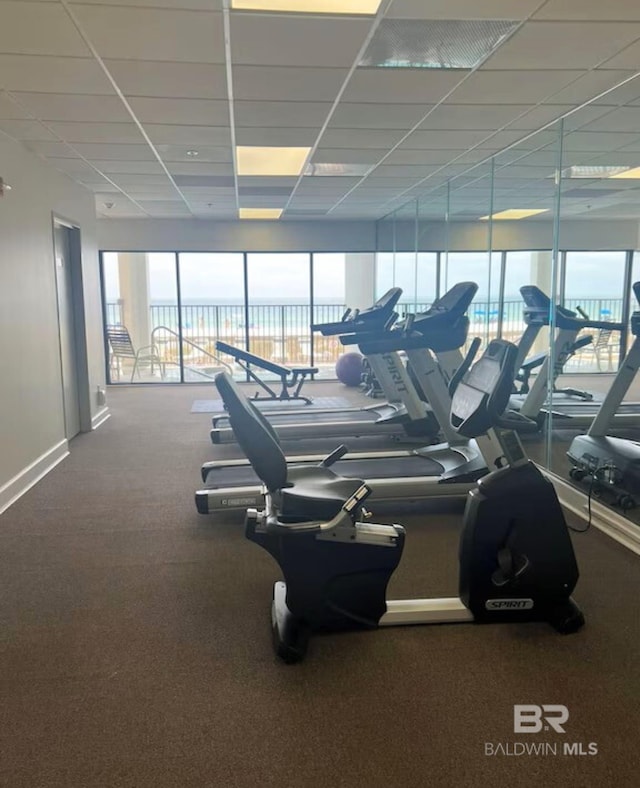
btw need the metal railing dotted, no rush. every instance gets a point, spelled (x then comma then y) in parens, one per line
(282, 332)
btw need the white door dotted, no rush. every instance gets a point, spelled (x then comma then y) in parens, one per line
(67, 329)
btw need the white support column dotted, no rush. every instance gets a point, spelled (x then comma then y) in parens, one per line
(540, 275)
(359, 280)
(133, 272)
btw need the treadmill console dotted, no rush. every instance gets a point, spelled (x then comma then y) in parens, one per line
(374, 318)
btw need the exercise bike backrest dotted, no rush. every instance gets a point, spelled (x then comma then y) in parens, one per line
(481, 398)
(254, 433)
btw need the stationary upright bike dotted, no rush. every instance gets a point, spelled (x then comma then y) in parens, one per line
(516, 558)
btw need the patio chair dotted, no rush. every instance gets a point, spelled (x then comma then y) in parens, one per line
(122, 348)
(602, 348)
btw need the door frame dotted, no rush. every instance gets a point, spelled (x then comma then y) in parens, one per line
(79, 317)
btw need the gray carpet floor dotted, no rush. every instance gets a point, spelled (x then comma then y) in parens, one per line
(135, 645)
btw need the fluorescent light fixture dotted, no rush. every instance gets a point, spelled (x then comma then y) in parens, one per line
(633, 172)
(336, 170)
(309, 6)
(260, 213)
(598, 171)
(255, 160)
(515, 213)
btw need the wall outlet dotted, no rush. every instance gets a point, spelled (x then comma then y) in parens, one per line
(101, 396)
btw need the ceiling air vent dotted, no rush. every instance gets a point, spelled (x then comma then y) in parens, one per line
(446, 43)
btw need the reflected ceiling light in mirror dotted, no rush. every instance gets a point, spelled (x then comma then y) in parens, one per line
(515, 213)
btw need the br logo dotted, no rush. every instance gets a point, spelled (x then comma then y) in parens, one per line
(529, 718)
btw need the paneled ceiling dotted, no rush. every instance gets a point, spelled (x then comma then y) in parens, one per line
(144, 101)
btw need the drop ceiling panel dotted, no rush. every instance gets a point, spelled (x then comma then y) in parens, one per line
(462, 9)
(9, 110)
(114, 133)
(298, 114)
(199, 168)
(628, 58)
(26, 130)
(128, 180)
(153, 34)
(197, 112)
(195, 5)
(165, 208)
(178, 153)
(53, 75)
(52, 149)
(407, 171)
(54, 33)
(192, 136)
(473, 116)
(361, 138)
(74, 167)
(439, 139)
(562, 45)
(504, 87)
(179, 80)
(427, 157)
(70, 107)
(593, 10)
(294, 137)
(595, 82)
(347, 156)
(400, 85)
(281, 40)
(621, 119)
(252, 83)
(597, 141)
(377, 116)
(114, 152)
(131, 167)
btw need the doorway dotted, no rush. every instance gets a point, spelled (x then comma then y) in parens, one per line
(71, 328)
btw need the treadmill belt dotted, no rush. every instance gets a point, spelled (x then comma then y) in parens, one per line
(362, 468)
(309, 417)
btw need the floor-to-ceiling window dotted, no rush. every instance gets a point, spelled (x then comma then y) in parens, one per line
(329, 304)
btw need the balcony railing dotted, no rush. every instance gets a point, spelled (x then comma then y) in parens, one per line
(281, 332)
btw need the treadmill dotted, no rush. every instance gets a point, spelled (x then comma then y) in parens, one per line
(611, 466)
(566, 410)
(406, 413)
(434, 472)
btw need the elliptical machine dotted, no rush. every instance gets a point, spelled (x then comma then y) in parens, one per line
(516, 558)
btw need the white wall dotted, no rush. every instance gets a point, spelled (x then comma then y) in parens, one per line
(31, 408)
(199, 235)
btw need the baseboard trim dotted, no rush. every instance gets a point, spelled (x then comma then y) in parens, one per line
(15, 488)
(100, 418)
(603, 518)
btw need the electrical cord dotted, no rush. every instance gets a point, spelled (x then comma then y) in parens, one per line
(597, 472)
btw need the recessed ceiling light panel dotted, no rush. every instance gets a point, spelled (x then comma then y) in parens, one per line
(260, 213)
(274, 161)
(309, 6)
(515, 213)
(633, 172)
(336, 170)
(601, 171)
(433, 43)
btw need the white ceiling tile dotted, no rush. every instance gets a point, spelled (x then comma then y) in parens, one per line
(504, 87)
(426, 157)
(473, 116)
(165, 209)
(195, 5)
(129, 180)
(198, 112)
(39, 29)
(628, 58)
(9, 110)
(590, 10)
(400, 85)
(462, 9)
(199, 168)
(408, 171)
(570, 45)
(347, 156)
(192, 136)
(438, 139)
(620, 119)
(136, 167)
(177, 153)
(273, 83)
(53, 75)
(591, 84)
(297, 114)
(104, 151)
(54, 149)
(26, 130)
(377, 116)
(295, 137)
(155, 193)
(281, 40)
(179, 80)
(74, 167)
(153, 34)
(114, 133)
(361, 138)
(74, 107)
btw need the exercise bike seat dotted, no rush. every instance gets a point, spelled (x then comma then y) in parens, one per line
(315, 492)
(300, 492)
